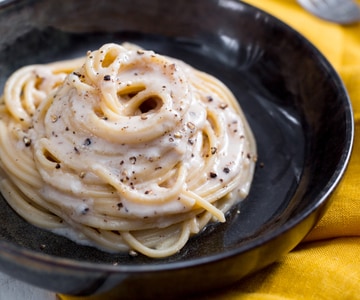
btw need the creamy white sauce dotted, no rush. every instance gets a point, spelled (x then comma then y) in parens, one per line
(133, 137)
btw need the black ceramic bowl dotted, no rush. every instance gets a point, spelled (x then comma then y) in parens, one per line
(295, 103)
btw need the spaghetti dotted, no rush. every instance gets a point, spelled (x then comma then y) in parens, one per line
(124, 149)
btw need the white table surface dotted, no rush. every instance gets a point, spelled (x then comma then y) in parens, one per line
(12, 289)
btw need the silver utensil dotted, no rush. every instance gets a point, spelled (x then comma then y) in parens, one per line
(338, 11)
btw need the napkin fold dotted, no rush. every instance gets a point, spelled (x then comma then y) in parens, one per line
(326, 265)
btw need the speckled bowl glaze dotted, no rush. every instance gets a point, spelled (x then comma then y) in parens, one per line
(296, 105)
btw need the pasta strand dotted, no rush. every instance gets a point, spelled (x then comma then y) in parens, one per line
(123, 149)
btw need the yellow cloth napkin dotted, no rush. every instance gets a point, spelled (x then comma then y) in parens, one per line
(327, 264)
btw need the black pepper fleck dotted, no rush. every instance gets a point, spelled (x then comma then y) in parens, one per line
(27, 141)
(226, 170)
(213, 175)
(223, 105)
(87, 142)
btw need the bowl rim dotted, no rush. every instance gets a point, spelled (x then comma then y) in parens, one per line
(10, 249)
